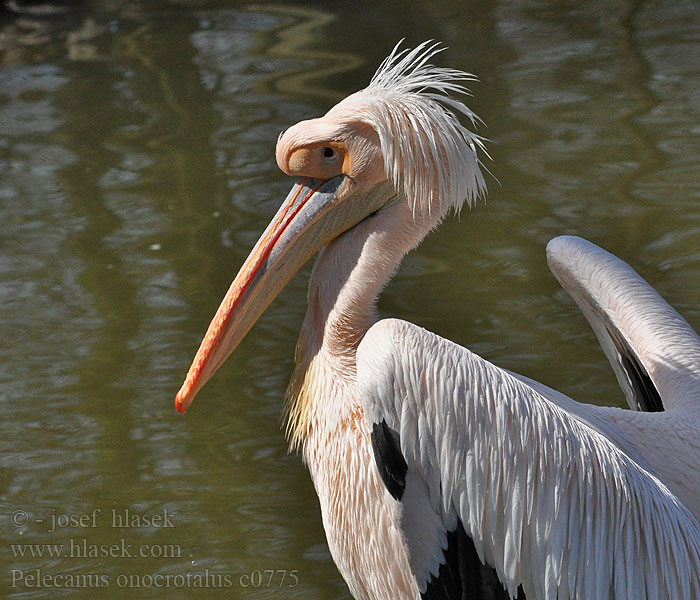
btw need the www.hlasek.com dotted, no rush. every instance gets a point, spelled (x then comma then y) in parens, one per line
(267, 578)
(82, 548)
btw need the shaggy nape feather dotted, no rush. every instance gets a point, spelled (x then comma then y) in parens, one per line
(428, 154)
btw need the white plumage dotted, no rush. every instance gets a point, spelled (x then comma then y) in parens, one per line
(428, 460)
(549, 501)
(617, 300)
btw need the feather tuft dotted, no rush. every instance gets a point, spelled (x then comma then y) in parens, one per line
(428, 153)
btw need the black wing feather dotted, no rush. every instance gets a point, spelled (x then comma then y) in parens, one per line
(461, 576)
(390, 462)
(646, 396)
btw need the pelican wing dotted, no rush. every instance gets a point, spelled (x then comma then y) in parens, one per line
(654, 352)
(483, 466)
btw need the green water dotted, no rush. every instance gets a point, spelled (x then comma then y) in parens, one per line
(136, 172)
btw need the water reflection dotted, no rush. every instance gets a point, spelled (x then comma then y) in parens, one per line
(136, 171)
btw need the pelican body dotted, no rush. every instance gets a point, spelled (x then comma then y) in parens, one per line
(440, 475)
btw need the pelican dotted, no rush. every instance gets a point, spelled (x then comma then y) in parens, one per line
(440, 475)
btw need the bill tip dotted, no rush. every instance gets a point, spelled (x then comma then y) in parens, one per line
(181, 402)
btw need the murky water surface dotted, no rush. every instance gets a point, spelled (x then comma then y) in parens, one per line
(137, 170)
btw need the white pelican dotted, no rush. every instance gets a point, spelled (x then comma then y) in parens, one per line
(428, 461)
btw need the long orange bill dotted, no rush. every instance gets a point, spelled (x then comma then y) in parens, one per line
(298, 230)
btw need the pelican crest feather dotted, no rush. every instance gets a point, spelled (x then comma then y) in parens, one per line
(428, 154)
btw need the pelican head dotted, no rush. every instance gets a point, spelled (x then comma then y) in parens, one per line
(395, 146)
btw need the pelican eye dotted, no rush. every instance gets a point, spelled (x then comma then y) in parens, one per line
(329, 153)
